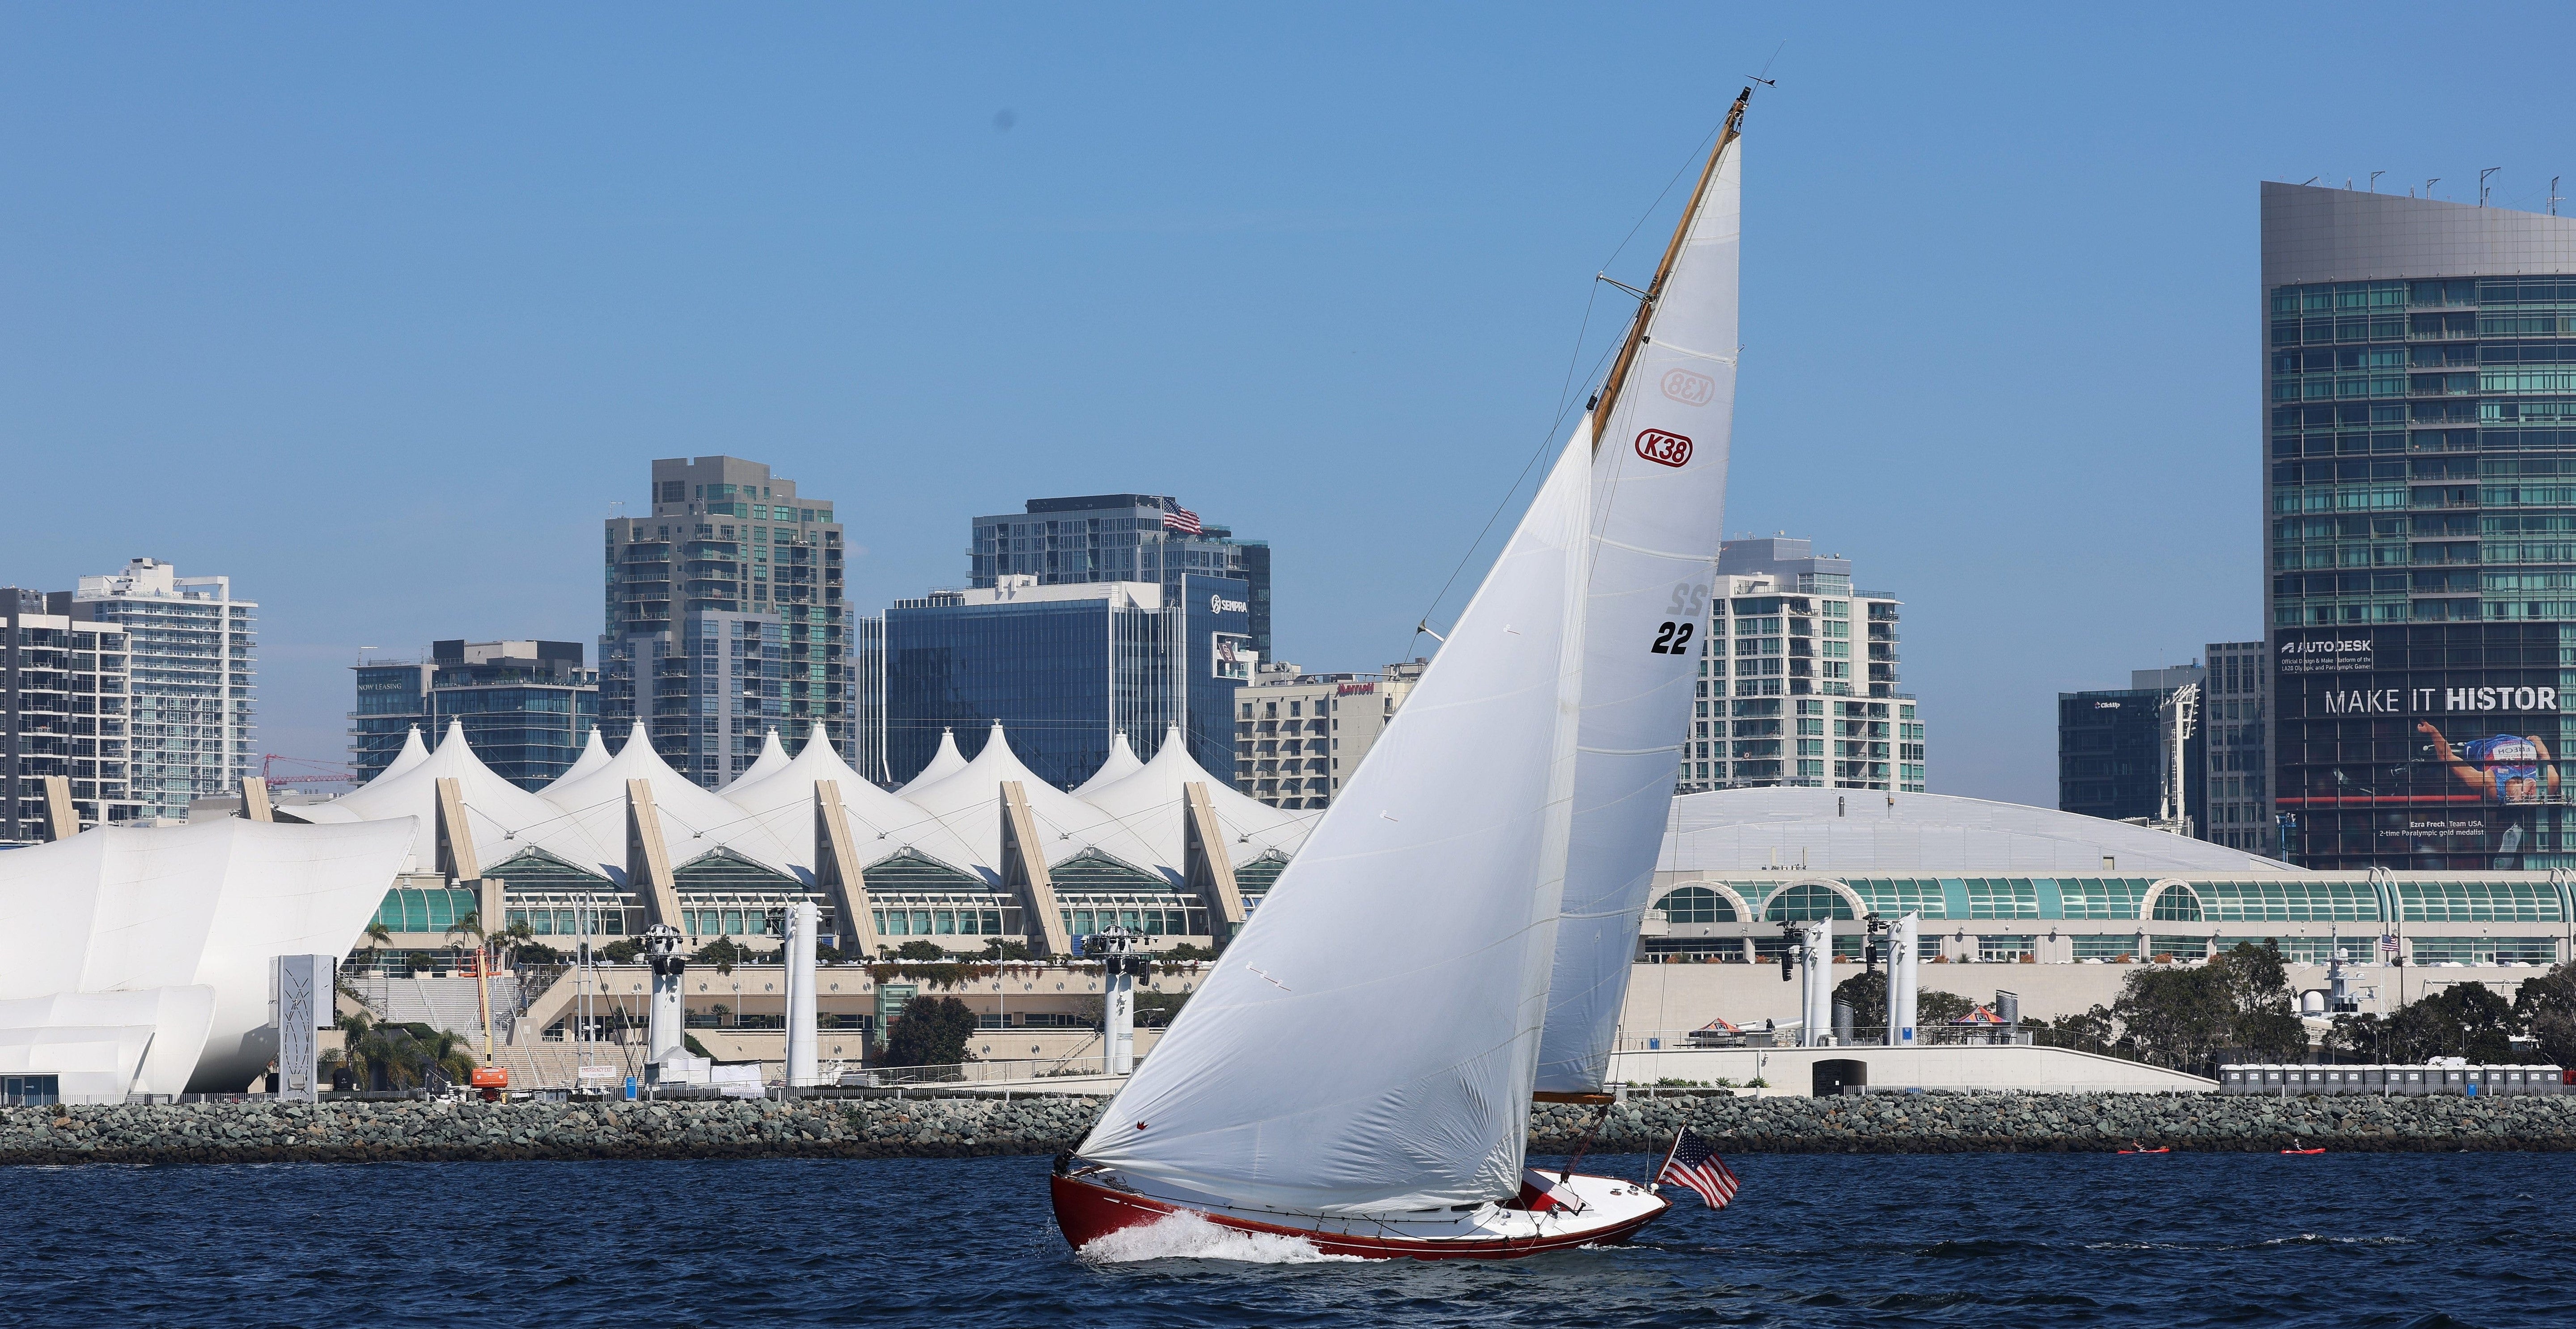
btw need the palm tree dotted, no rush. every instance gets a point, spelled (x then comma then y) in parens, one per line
(378, 937)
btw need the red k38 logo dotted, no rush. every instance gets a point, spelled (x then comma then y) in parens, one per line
(1664, 449)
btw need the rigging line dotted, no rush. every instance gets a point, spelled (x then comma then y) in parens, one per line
(1549, 440)
(1688, 162)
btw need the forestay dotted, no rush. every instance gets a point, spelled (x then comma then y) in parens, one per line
(1367, 1043)
(1658, 504)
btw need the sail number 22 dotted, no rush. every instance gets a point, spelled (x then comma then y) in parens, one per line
(1672, 637)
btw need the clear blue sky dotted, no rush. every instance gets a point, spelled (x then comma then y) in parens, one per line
(379, 308)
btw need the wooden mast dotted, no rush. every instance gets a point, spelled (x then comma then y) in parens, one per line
(1663, 271)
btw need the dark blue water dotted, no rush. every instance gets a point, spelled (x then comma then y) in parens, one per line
(2346, 1240)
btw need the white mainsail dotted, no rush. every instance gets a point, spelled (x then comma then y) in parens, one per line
(1367, 1043)
(1658, 507)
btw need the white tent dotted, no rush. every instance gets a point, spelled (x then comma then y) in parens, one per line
(1121, 764)
(881, 823)
(503, 817)
(102, 1046)
(594, 754)
(413, 753)
(695, 821)
(944, 763)
(1147, 802)
(120, 909)
(969, 804)
(772, 757)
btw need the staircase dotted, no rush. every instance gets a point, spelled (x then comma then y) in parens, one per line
(444, 1004)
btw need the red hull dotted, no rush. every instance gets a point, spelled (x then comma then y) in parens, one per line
(1086, 1212)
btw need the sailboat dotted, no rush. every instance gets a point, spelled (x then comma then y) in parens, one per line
(1358, 1068)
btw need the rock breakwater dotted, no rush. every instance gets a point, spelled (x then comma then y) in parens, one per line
(1969, 1123)
(914, 1127)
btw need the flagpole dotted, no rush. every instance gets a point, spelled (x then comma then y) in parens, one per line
(1656, 1187)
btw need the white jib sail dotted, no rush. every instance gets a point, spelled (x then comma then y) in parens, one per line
(1658, 508)
(1367, 1043)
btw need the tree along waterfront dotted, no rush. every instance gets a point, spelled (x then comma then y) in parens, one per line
(2238, 1006)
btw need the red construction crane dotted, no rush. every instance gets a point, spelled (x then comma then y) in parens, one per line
(281, 770)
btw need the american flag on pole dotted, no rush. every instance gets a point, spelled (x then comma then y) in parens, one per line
(1693, 1163)
(1178, 518)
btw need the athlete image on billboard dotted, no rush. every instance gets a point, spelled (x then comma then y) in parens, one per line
(2506, 768)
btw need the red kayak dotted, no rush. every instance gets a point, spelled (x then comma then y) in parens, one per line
(2166, 1150)
(2304, 1151)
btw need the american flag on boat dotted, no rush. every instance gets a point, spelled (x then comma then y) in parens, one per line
(1694, 1163)
(1178, 518)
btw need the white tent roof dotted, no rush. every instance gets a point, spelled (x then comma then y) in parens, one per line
(772, 758)
(1860, 832)
(503, 817)
(969, 804)
(1148, 803)
(694, 820)
(121, 909)
(881, 823)
(1121, 764)
(947, 761)
(413, 753)
(594, 754)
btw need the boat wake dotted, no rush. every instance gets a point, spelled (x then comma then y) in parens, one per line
(1187, 1236)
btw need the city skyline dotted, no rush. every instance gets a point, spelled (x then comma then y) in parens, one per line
(435, 335)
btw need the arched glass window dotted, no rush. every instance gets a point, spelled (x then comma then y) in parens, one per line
(1696, 904)
(1807, 901)
(2178, 904)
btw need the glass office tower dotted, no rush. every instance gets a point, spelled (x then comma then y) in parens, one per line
(2420, 528)
(1063, 668)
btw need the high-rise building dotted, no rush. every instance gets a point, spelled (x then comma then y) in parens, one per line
(2419, 528)
(2115, 747)
(1120, 537)
(1798, 678)
(62, 712)
(1299, 736)
(726, 618)
(527, 706)
(2233, 712)
(1063, 668)
(192, 652)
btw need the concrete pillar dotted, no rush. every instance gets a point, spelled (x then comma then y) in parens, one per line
(1902, 957)
(667, 1031)
(1816, 1007)
(802, 921)
(1120, 958)
(62, 820)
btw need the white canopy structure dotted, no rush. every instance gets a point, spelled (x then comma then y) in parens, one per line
(947, 761)
(413, 753)
(503, 817)
(1868, 833)
(130, 910)
(1121, 764)
(772, 757)
(102, 1046)
(695, 822)
(1147, 803)
(969, 804)
(881, 824)
(594, 754)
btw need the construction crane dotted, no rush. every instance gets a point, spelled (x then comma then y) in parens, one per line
(280, 770)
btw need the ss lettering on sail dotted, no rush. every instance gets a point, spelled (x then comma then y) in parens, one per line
(1688, 388)
(1664, 448)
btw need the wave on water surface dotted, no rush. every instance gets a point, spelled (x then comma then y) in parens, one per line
(1187, 1236)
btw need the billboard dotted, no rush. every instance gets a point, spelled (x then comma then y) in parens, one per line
(2429, 746)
